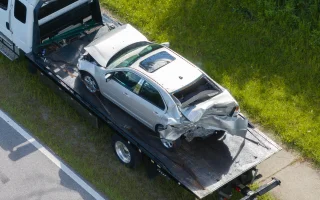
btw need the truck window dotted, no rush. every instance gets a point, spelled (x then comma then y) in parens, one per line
(53, 6)
(4, 4)
(20, 11)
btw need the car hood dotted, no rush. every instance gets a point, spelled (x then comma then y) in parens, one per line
(108, 43)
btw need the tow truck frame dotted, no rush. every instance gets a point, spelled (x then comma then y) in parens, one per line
(201, 167)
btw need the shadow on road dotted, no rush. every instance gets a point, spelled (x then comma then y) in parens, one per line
(55, 181)
(12, 141)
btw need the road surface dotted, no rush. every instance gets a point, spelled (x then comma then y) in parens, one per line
(28, 171)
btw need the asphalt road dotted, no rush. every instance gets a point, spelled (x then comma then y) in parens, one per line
(26, 173)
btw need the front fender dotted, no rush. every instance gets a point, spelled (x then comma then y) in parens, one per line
(86, 66)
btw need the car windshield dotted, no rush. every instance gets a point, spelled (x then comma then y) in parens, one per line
(126, 51)
(135, 54)
(199, 91)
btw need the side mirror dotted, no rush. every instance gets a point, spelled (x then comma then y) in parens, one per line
(166, 44)
(108, 77)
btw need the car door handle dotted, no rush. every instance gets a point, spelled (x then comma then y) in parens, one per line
(125, 93)
(155, 112)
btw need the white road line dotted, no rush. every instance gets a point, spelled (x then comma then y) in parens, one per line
(54, 159)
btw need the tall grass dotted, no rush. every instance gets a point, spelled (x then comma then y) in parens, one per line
(266, 52)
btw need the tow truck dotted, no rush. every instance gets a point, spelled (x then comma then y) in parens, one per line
(52, 34)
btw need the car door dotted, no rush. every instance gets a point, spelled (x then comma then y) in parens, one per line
(149, 104)
(119, 89)
(5, 9)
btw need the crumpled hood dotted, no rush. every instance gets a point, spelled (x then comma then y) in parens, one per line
(224, 101)
(202, 119)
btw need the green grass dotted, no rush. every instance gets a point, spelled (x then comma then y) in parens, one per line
(85, 149)
(265, 52)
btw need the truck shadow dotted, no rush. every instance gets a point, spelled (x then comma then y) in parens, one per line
(69, 183)
(12, 141)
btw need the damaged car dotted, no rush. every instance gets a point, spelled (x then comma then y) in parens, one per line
(159, 87)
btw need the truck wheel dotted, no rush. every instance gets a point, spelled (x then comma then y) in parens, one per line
(125, 152)
(168, 144)
(90, 82)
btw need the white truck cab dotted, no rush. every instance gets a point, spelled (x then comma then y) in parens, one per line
(25, 23)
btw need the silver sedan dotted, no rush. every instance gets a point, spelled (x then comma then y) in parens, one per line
(159, 87)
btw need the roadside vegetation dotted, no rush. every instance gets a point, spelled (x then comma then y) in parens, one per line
(266, 52)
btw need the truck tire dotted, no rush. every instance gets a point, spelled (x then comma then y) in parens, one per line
(126, 154)
(89, 81)
(169, 145)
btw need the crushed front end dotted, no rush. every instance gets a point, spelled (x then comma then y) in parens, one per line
(205, 110)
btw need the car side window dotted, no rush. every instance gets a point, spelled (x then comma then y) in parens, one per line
(127, 79)
(4, 4)
(149, 93)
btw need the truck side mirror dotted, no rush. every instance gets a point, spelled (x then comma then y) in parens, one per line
(108, 76)
(166, 44)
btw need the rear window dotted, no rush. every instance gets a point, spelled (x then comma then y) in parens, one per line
(156, 61)
(50, 7)
(199, 91)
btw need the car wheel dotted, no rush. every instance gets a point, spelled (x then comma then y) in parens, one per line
(89, 82)
(218, 135)
(126, 154)
(168, 144)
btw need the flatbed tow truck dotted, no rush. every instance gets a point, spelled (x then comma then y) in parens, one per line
(58, 32)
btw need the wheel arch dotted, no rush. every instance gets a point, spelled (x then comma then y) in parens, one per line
(85, 66)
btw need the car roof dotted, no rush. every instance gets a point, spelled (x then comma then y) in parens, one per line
(172, 76)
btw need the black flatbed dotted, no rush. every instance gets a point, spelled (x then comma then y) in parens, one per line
(202, 166)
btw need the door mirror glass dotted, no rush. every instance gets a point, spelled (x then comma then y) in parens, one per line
(108, 77)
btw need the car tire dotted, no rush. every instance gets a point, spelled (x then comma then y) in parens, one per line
(169, 145)
(89, 81)
(126, 154)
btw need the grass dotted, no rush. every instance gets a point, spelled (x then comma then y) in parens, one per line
(265, 52)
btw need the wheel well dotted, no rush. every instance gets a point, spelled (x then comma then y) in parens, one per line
(156, 127)
(83, 72)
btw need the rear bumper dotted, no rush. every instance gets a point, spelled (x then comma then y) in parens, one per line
(206, 126)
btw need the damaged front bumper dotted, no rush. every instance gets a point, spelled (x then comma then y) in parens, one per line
(205, 127)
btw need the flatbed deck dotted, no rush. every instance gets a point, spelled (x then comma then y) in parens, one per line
(202, 166)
